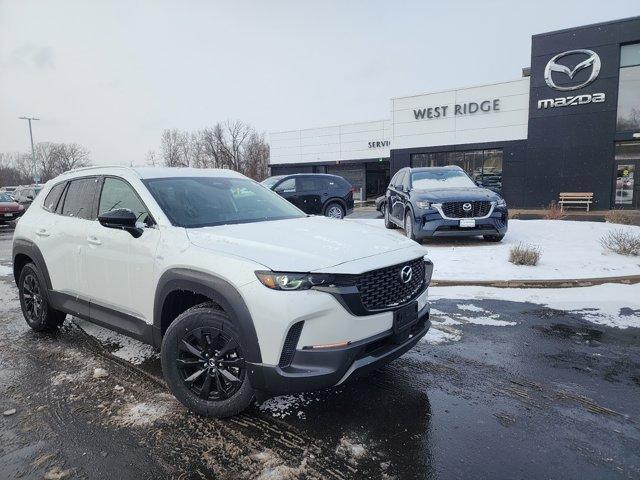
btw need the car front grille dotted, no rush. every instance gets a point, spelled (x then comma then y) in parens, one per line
(457, 210)
(384, 288)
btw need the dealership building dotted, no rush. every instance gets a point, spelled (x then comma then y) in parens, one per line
(571, 123)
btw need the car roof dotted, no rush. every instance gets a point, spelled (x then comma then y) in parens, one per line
(152, 172)
(429, 169)
(310, 175)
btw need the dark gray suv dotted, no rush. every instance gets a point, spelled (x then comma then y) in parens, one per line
(443, 202)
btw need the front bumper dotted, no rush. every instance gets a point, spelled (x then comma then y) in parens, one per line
(8, 216)
(313, 369)
(432, 224)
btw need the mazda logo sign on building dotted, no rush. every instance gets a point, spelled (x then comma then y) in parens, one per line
(555, 65)
(406, 273)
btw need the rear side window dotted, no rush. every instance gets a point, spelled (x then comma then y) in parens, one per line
(51, 201)
(80, 197)
(308, 184)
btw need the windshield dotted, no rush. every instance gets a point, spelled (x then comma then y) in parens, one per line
(193, 202)
(432, 179)
(271, 181)
(5, 198)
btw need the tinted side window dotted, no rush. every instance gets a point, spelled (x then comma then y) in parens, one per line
(393, 181)
(288, 186)
(51, 201)
(80, 197)
(407, 181)
(117, 194)
(308, 184)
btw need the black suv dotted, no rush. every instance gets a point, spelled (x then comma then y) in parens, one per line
(315, 193)
(443, 202)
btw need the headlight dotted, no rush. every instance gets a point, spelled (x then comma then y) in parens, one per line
(423, 204)
(293, 281)
(501, 203)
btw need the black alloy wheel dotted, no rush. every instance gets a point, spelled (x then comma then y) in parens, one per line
(37, 311)
(204, 364)
(210, 363)
(33, 301)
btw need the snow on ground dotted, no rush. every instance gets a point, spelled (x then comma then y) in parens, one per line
(611, 304)
(569, 250)
(5, 270)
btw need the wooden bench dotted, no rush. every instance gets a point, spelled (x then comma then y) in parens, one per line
(575, 199)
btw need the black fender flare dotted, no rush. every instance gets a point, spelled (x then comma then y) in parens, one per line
(31, 250)
(219, 291)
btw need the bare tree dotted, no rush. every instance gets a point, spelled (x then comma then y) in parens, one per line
(51, 159)
(232, 144)
(70, 156)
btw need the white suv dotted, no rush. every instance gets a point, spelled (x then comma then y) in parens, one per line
(244, 294)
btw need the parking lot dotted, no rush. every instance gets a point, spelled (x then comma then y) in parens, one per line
(515, 390)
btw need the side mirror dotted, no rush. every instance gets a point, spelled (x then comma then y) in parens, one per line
(121, 219)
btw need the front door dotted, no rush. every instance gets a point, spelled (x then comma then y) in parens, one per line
(627, 185)
(119, 268)
(626, 177)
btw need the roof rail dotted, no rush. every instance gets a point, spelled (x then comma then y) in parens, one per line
(93, 167)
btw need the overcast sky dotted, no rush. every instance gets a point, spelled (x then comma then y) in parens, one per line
(112, 75)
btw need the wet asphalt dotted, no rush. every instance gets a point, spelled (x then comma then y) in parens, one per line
(553, 396)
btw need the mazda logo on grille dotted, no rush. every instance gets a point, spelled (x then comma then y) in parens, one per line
(592, 61)
(406, 273)
(466, 207)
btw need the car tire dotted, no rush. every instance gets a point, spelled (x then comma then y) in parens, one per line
(383, 209)
(34, 301)
(492, 238)
(387, 221)
(203, 363)
(334, 210)
(408, 225)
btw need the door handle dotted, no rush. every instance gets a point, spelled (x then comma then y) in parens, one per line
(42, 232)
(94, 240)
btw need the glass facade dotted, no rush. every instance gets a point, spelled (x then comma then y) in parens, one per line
(482, 165)
(628, 117)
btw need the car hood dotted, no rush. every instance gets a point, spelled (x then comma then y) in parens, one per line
(9, 206)
(470, 194)
(299, 245)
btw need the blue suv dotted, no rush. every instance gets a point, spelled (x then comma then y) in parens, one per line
(443, 202)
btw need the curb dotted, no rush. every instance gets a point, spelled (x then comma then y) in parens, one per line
(556, 283)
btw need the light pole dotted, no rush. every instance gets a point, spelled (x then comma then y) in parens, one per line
(33, 151)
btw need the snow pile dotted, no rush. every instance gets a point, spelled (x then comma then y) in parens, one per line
(5, 271)
(569, 250)
(611, 304)
(125, 347)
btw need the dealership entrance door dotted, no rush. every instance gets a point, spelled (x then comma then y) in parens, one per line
(627, 175)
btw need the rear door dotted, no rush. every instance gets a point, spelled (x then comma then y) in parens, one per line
(67, 232)
(310, 193)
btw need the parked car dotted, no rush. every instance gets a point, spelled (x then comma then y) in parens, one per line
(25, 195)
(9, 208)
(242, 292)
(444, 202)
(315, 193)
